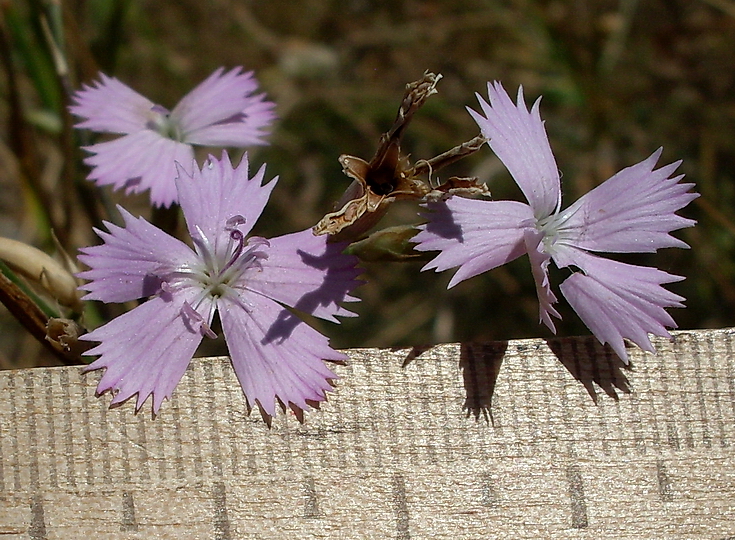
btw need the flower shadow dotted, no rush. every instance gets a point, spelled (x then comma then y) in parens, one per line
(442, 222)
(336, 284)
(592, 364)
(413, 354)
(480, 365)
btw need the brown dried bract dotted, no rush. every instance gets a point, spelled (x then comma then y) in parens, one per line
(389, 176)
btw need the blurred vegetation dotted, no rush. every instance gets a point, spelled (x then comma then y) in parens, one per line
(618, 79)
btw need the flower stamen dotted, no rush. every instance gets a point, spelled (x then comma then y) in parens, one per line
(197, 323)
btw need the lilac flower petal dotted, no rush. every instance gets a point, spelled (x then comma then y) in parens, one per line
(248, 128)
(219, 97)
(540, 269)
(631, 212)
(140, 161)
(475, 235)
(109, 106)
(275, 354)
(617, 300)
(305, 272)
(146, 351)
(125, 267)
(221, 111)
(519, 139)
(210, 197)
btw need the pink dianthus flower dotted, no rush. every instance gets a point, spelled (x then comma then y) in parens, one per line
(631, 212)
(220, 111)
(250, 282)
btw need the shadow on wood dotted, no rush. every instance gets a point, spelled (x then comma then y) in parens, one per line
(590, 362)
(480, 365)
(584, 358)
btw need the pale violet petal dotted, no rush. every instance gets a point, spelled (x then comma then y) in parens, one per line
(617, 300)
(276, 355)
(140, 161)
(127, 266)
(246, 129)
(519, 139)
(540, 269)
(475, 235)
(146, 351)
(308, 273)
(219, 192)
(633, 211)
(222, 111)
(220, 96)
(109, 106)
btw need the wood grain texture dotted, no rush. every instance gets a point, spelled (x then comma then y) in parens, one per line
(521, 439)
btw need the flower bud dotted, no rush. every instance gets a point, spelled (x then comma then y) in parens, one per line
(40, 268)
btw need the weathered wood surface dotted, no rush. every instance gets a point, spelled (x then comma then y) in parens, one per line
(520, 439)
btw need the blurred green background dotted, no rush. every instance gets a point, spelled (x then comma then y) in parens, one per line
(618, 79)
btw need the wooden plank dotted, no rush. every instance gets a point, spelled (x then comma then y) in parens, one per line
(521, 439)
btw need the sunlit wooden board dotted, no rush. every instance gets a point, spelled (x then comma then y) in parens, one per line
(522, 439)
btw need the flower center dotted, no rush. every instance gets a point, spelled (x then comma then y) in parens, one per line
(217, 271)
(160, 121)
(223, 267)
(552, 227)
